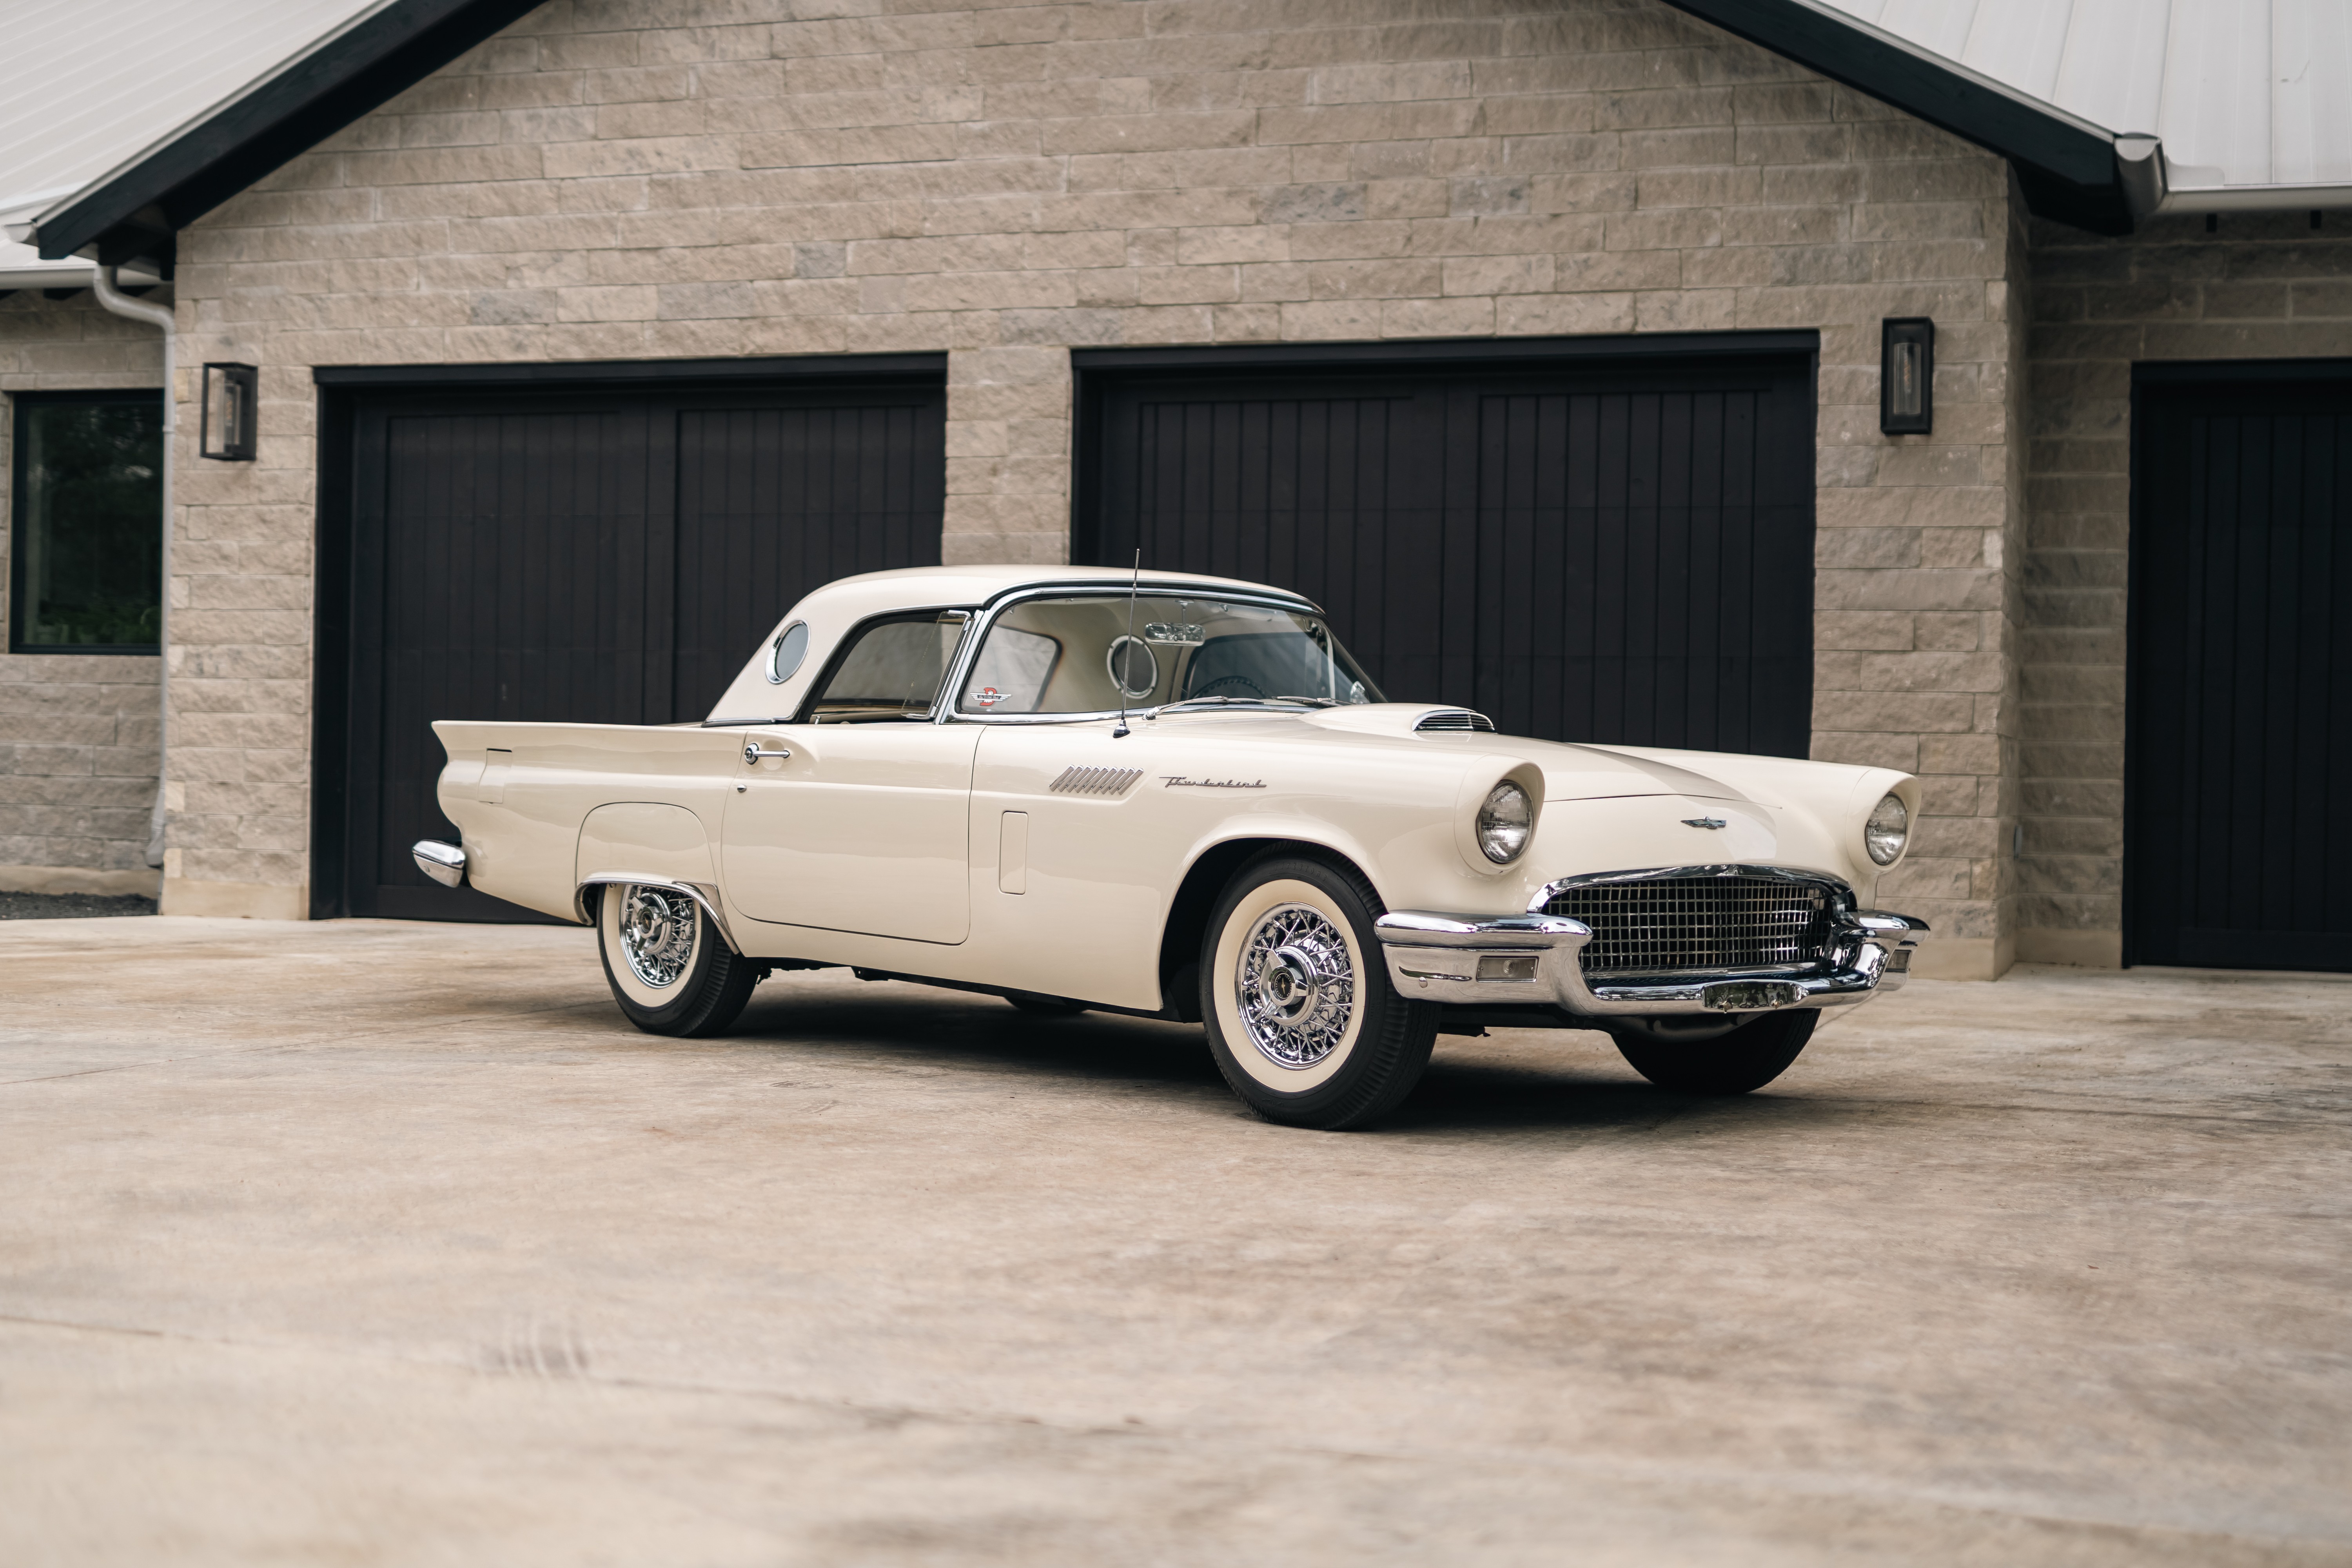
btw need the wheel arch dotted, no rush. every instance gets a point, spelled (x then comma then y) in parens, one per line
(1196, 899)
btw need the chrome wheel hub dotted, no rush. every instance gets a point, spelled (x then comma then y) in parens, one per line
(1296, 986)
(658, 930)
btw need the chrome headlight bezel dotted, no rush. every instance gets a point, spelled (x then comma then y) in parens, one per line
(1886, 831)
(1505, 823)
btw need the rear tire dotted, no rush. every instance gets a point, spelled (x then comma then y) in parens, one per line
(1740, 1062)
(669, 969)
(1296, 997)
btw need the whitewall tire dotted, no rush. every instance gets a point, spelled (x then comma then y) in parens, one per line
(669, 970)
(1296, 997)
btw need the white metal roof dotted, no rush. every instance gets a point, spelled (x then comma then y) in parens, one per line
(2245, 95)
(86, 87)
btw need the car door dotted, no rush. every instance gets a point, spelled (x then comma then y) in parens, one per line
(857, 819)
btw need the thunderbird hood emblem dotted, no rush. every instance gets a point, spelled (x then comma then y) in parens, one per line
(1704, 822)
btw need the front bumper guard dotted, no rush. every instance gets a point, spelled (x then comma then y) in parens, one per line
(1536, 960)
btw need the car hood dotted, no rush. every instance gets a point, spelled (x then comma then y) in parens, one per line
(1570, 771)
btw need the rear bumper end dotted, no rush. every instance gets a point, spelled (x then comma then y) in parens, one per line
(1534, 961)
(444, 863)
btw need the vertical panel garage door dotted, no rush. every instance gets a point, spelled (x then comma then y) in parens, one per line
(1620, 550)
(596, 558)
(2238, 843)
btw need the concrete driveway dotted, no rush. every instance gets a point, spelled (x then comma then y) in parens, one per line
(370, 1243)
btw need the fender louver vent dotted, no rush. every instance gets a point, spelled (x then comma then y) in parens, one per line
(1457, 718)
(1094, 781)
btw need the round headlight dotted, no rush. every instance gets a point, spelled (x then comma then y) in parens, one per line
(1885, 832)
(1505, 822)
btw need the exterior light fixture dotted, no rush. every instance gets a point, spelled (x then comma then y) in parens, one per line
(232, 400)
(1907, 375)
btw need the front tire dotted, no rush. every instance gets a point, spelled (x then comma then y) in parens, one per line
(669, 970)
(1296, 997)
(1739, 1062)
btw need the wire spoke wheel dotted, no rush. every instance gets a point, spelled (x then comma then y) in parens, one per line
(668, 962)
(1300, 1014)
(1296, 985)
(658, 926)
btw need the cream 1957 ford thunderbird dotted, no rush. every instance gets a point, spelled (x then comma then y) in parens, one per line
(1178, 797)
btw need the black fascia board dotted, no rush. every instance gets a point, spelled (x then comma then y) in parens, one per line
(930, 369)
(1389, 354)
(137, 211)
(2068, 173)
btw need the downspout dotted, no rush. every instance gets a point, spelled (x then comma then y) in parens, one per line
(103, 284)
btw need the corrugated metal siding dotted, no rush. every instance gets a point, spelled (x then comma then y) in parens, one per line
(2259, 90)
(83, 86)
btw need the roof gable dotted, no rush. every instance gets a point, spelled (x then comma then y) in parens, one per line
(136, 209)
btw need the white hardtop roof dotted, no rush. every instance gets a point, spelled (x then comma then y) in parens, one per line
(86, 88)
(945, 586)
(2250, 98)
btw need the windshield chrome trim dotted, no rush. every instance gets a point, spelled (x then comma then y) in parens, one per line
(976, 634)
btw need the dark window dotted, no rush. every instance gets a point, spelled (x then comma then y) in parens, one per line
(89, 523)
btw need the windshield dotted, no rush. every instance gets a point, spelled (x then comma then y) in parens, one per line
(1073, 654)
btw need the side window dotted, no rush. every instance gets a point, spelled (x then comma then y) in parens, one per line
(88, 507)
(891, 670)
(1011, 674)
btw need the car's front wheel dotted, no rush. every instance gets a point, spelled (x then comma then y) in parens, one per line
(1301, 1018)
(669, 970)
(1746, 1058)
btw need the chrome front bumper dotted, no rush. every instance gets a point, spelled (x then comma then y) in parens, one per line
(1533, 961)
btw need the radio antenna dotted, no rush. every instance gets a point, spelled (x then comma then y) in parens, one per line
(1126, 652)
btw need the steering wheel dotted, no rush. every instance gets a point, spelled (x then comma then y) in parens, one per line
(1242, 684)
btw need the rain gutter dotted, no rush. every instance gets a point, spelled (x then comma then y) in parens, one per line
(103, 284)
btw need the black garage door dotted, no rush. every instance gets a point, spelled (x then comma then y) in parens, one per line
(602, 557)
(1607, 549)
(2238, 775)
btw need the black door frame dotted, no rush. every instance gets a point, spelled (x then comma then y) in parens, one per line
(2154, 376)
(343, 390)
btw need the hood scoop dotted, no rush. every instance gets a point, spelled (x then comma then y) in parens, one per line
(1456, 721)
(1400, 720)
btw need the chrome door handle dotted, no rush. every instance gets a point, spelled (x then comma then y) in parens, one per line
(753, 753)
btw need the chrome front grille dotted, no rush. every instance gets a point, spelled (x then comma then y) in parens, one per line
(1663, 924)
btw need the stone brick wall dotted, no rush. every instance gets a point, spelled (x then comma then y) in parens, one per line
(77, 732)
(2257, 287)
(700, 177)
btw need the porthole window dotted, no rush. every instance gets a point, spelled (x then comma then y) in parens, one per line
(784, 659)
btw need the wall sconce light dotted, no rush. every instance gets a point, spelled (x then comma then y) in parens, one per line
(1907, 375)
(232, 400)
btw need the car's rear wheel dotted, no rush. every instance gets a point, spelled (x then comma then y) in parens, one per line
(1745, 1059)
(1300, 1014)
(669, 970)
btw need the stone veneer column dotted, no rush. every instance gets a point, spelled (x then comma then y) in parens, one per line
(1008, 455)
